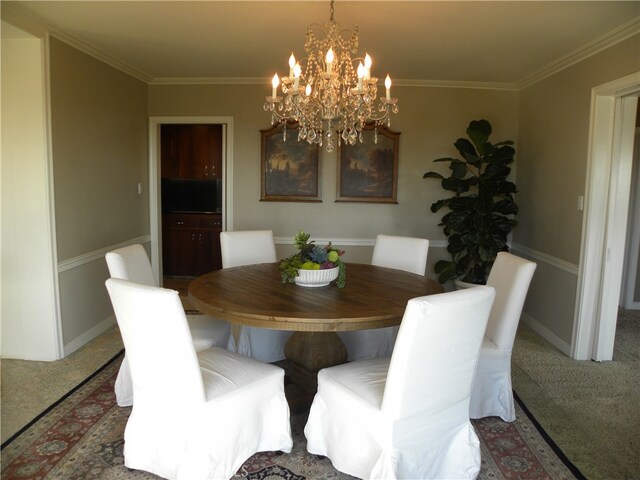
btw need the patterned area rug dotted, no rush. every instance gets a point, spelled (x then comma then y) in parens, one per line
(81, 437)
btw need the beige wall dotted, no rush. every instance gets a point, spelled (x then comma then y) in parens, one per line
(430, 120)
(100, 152)
(553, 141)
(99, 130)
(553, 146)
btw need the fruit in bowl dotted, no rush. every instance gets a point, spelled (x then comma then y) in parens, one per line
(313, 265)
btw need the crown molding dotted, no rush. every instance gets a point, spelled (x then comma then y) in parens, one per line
(456, 84)
(97, 54)
(267, 81)
(210, 81)
(19, 19)
(37, 26)
(599, 44)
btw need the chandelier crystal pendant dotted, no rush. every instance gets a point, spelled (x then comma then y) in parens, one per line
(329, 90)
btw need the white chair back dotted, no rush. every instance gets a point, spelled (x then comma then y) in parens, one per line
(247, 248)
(436, 352)
(252, 247)
(402, 253)
(163, 362)
(131, 263)
(510, 276)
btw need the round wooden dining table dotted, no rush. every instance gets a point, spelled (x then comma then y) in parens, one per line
(254, 295)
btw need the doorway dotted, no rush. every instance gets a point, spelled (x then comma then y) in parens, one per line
(613, 116)
(630, 295)
(155, 180)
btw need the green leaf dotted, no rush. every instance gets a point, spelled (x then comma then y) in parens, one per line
(458, 169)
(433, 175)
(479, 132)
(506, 188)
(467, 150)
(445, 159)
(446, 270)
(505, 207)
(454, 184)
(438, 205)
(504, 142)
(440, 266)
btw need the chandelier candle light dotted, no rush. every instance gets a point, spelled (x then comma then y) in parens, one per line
(327, 91)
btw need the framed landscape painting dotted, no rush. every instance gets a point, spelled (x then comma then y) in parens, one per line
(290, 170)
(368, 171)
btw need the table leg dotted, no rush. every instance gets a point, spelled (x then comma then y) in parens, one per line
(308, 353)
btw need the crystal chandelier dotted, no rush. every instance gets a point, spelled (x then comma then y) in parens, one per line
(329, 90)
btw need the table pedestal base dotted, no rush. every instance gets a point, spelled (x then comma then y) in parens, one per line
(308, 353)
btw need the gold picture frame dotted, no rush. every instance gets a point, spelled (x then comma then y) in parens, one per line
(368, 171)
(290, 170)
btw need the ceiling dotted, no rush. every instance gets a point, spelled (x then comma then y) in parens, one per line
(503, 42)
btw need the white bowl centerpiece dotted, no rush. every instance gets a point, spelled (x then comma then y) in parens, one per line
(313, 265)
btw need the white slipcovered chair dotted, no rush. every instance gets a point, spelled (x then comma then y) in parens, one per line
(407, 416)
(401, 253)
(492, 393)
(252, 247)
(131, 263)
(197, 415)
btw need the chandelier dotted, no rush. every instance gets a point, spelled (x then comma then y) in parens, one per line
(329, 90)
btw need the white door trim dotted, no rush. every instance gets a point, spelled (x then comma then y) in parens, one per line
(604, 194)
(154, 178)
(633, 238)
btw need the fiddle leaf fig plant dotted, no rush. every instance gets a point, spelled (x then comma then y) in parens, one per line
(480, 209)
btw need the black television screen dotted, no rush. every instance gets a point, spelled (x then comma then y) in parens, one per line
(190, 195)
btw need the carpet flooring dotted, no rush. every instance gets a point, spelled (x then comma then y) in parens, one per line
(590, 409)
(81, 437)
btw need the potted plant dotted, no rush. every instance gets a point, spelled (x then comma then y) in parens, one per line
(479, 219)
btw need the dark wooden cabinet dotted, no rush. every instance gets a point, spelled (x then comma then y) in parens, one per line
(191, 243)
(191, 151)
(189, 154)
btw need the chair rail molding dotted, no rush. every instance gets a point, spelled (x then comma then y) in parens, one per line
(556, 262)
(94, 255)
(352, 242)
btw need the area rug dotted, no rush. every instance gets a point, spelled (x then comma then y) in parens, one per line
(81, 437)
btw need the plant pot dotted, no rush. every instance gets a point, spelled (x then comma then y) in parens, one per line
(460, 285)
(316, 278)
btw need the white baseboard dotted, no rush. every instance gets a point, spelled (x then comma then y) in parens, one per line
(545, 333)
(89, 335)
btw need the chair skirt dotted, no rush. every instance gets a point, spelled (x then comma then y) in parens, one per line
(261, 344)
(371, 343)
(492, 392)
